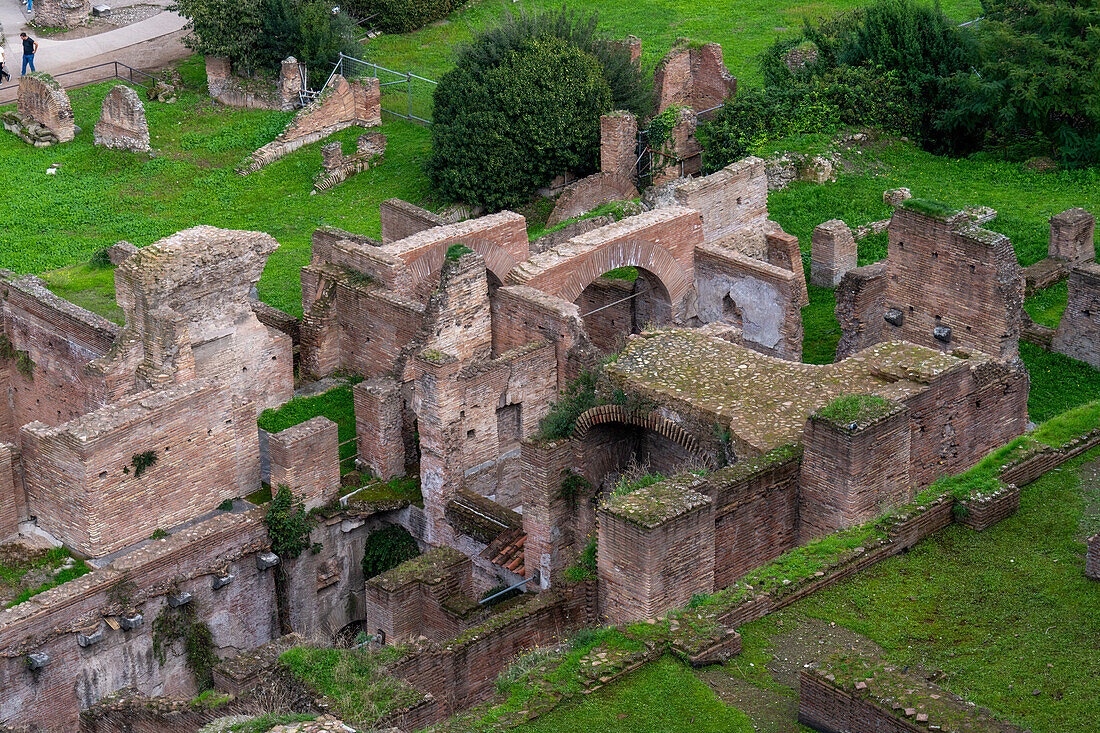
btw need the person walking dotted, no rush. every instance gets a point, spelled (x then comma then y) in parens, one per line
(30, 47)
(4, 75)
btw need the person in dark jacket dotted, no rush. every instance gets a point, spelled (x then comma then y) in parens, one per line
(4, 75)
(30, 47)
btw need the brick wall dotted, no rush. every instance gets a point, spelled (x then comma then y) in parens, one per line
(851, 475)
(374, 328)
(379, 423)
(82, 483)
(945, 277)
(832, 253)
(733, 203)
(612, 317)
(400, 219)
(524, 315)
(655, 549)
(1078, 333)
(1071, 236)
(860, 304)
(618, 142)
(306, 457)
(61, 340)
(10, 501)
(240, 614)
(783, 251)
(590, 192)
(763, 300)
(695, 77)
(417, 597)
(551, 544)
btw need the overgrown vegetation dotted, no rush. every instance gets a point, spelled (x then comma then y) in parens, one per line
(387, 548)
(336, 404)
(352, 679)
(855, 409)
(183, 626)
(288, 524)
(143, 461)
(397, 489)
(522, 105)
(578, 397)
(402, 16)
(26, 573)
(267, 721)
(585, 569)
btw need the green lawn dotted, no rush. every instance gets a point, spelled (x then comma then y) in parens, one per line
(662, 696)
(1006, 613)
(743, 27)
(336, 404)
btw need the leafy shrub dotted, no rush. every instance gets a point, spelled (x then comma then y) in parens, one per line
(143, 461)
(402, 16)
(182, 625)
(288, 524)
(577, 398)
(386, 549)
(522, 105)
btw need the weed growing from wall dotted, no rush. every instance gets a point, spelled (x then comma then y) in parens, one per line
(182, 625)
(387, 548)
(143, 461)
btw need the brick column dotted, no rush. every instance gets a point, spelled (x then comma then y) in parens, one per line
(378, 426)
(9, 510)
(655, 549)
(439, 423)
(783, 251)
(853, 471)
(1079, 329)
(832, 253)
(1071, 236)
(547, 515)
(290, 83)
(618, 141)
(306, 457)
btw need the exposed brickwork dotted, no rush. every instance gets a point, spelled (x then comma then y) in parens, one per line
(734, 205)
(851, 475)
(662, 242)
(762, 300)
(61, 13)
(832, 253)
(378, 426)
(523, 315)
(129, 711)
(43, 100)
(860, 303)
(681, 154)
(655, 549)
(1078, 333)
(588, 193)
(240, 615)
(337, 167)
(694, 77)
(9, 503)
(618, 142)
(254, 93)
(400, 219)
(341, 105)
(122, 122)
(306, 457)
(81, 478)
(423, 596)
(1092, 557)
(551, 543)
(982, 512)
(1071, 236)
(119, 252)
(608, 316)
(964, 279)
(783, 251)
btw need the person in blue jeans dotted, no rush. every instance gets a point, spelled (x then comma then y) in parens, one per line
(30, 47)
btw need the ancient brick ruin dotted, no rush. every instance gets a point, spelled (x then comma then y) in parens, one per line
(694, 77)
(44, 115)
(122, 122)
(254, 93)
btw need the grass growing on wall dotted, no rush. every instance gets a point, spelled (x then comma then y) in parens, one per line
(55, 566)
(352, 679)
(336, 404)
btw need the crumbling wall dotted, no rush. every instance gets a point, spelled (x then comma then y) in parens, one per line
(618, 143)
(1078, 333)
(11, 492)
(279, 93)
(734, 205)
(423, 596)
(61, 13)
(186, 299)
(762, 300)
(523, 315)
(860, 305)
(693, 77)
(341, 105)
(122, 123)
(337, 167)
(832, 253)
(79, 625)
(400, 219)
(1092, 558)
(590, 192)
(41, 100)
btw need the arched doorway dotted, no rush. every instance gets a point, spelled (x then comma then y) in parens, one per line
(621, 302)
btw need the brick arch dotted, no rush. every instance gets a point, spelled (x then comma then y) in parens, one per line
(567, 277)
(651, 421)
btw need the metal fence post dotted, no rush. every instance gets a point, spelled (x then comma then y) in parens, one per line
(409, 76)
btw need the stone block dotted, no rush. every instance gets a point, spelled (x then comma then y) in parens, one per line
(832, 253)
(894, 196)
(306, 458)
(1071, 236)
(122, 124)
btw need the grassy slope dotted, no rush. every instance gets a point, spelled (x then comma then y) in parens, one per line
(662, 696)
(1004, 612)
(743, 27)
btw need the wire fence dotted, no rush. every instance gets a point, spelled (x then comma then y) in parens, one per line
(76, 78)
(404, 94)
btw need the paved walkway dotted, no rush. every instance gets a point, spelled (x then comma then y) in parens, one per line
(55, 56)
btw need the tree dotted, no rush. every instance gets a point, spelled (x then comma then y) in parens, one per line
(522, 105)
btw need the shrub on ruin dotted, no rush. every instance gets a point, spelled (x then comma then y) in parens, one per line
(288, 524)
(578, 397)
(387, 548)
(522, 105)
(402, 16)
(183, 627)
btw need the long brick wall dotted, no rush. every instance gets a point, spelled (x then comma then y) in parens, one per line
(734, 205)
(400, 219)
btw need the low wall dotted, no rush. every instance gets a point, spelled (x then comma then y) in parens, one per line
(271, 93)
(1092, 557)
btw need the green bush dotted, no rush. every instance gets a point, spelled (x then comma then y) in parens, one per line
(288, 524)
(522, 106)
(402, 16)
(386, 549)
(577, 398)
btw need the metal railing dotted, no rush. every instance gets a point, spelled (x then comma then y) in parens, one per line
(405, 95)
(118, 70)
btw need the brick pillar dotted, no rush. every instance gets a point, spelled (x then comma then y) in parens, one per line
(320, 333)
(853, 471)
(9, 505)
(306, 457)
(618, 141)
(832, 253)
(860, 309)
(439, 423)
(368, 101)
(783, 251)
(1071, 236)
(218, 68)
(290, 83)
(378, 426)
(547, 515)
(1078, 333)
(1092, 559)
(332, 155)
(655, 549)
